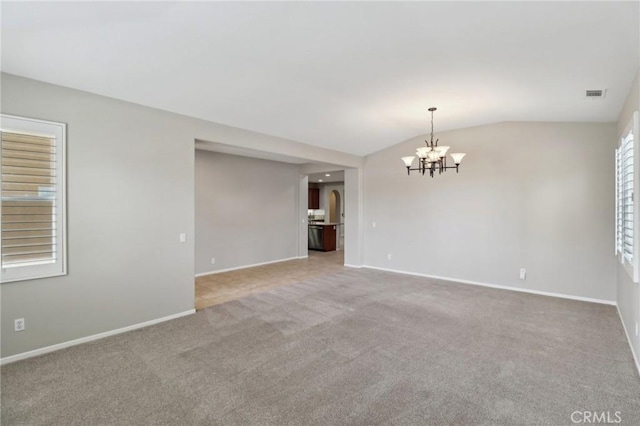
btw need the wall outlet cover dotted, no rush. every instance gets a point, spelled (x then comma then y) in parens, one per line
(18, 324)
(523, 273)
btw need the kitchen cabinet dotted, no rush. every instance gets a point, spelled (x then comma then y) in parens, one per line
(322, 237)
(329, 237)
(314, 198)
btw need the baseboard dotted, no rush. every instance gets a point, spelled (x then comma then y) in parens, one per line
(353, 266)
(219, 271)
(303, 257)
(63, 345)
(626, 332)
(501, 287)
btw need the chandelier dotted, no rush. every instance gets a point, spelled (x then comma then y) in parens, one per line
(432, 157)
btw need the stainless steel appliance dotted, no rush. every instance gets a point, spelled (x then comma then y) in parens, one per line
(315, 237)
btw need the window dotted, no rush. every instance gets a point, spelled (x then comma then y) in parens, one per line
(627, 175)
(618, 213)
(32, 214)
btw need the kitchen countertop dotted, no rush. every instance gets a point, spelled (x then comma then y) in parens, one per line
(325, 223)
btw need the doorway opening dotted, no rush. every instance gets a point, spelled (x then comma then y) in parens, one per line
(334, 206)
(336, 216)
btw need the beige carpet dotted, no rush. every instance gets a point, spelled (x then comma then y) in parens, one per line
(357, 347)
(214, 289)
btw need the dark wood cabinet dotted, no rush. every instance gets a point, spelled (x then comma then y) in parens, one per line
(329, 237)
(314, 198)
(322, 237)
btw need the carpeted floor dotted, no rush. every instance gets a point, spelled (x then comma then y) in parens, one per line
(357, 347)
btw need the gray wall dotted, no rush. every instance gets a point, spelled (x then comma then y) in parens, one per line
(628, 293)
(354, 217)
(303, 225)
(538, 196)
(130, 195)
(246, 211)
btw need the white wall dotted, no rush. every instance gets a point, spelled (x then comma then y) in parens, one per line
(538, 196)
(628, 292)
(246, 211)
(130, 195)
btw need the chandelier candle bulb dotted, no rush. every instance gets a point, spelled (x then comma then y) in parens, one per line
(422, 152)
(457, 157)
(432, 157)
(408, 161)
(442, 150)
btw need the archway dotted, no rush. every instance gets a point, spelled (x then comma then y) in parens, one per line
(336, 216)
(334, 207)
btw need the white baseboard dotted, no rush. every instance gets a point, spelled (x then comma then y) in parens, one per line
(353, 266)
(63, 345)
(626, 332)
(501, 287)
(218, 271)
(303, 257)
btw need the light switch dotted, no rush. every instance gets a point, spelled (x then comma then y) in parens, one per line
(183, 238)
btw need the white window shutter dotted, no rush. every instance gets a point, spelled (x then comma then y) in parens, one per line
(33, 199)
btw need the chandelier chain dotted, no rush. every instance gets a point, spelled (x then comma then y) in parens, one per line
(432, 128)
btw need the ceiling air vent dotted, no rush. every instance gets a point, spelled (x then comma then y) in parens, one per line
(596, 94)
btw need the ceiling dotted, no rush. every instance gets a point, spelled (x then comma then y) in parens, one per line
(337, 176)
(356, 77)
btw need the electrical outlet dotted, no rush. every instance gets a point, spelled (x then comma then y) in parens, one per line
(18, 324)
(373, 224)
(183, 238)
(388, 256)
(523, 273)
(213, 260)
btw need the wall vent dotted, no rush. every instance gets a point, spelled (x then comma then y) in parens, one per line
(596, 93)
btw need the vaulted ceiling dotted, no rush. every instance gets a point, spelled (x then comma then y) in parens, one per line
(351, 76)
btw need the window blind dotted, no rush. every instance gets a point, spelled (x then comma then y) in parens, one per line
(29, 199)
(619, 209)
(626, 197)
(626, 173)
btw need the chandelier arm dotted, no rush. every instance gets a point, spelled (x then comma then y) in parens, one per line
(431, 160)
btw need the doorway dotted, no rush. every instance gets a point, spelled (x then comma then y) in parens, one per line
(336, 216)
(334, 207)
